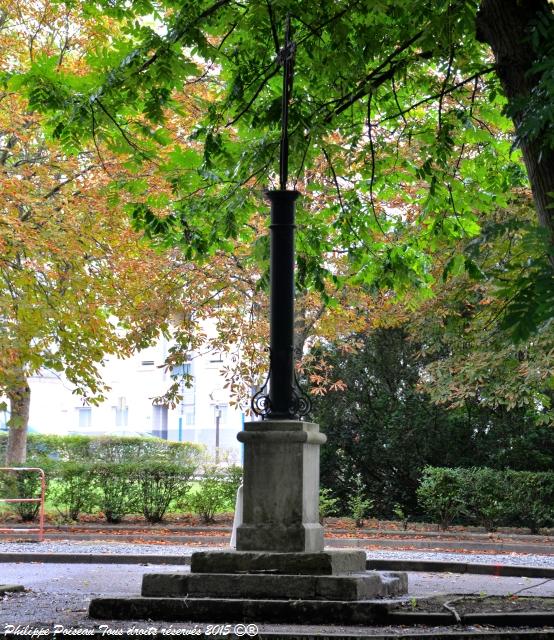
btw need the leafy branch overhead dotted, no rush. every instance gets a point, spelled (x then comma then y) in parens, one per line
(401, 125)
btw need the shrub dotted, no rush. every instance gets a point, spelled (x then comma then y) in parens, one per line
(216, 492)
(231, 481)
(489, 497)
(116, 489)
(440, 494)
(359, 506)
(72, 491)
(129, 474)
(22, 484)
(531, 498)
(485, 493)
(404, 517)
(327, 503)
(159, 484)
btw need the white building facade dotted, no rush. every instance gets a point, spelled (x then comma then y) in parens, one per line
(205, 415)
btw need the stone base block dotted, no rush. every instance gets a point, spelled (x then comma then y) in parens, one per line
(234, 610)
(360, 586)
(10, 588)
(299, 538)
(322, 563)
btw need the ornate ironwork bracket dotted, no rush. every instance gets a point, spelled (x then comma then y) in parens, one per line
(300, 406)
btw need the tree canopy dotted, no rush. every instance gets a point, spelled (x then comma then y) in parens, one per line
(401, 125)
(411, 127)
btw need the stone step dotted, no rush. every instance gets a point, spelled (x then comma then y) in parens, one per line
(359, 586)
(229, 610)
(321, 563)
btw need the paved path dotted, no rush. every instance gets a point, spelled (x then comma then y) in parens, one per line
(59, 594)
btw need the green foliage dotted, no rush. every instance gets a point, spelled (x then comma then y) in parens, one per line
(48, 449)
(485, 497)
(467, 357)
(358, 505)
(158, 484)
(385, 425)
(399, 101)
(489, 497)
(327, 503)
(114, 483)
(22, 484)
(399, 513)
(441, 495)
(128, 474)
(72, 491)
(531, 498)
(217, 491)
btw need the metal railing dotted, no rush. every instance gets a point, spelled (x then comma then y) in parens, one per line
(39, 500)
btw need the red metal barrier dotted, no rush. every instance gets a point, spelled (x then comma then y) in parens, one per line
(40, 500)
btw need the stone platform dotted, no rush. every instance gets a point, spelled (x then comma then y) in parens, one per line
(243, 586)
(280, 571)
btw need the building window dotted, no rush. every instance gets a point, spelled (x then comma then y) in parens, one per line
(85, 417)
(4, 417)
(121, 416)
(181, 370)
(159, 420)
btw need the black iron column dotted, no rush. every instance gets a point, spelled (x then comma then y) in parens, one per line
(281, 314)
(285, 400)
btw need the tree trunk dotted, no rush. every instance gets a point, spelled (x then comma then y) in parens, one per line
(19, 395)
(505, 25)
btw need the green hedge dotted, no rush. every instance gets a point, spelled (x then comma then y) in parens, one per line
(116, 475)
(488, 497)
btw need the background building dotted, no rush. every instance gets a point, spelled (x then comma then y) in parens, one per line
(204, 416)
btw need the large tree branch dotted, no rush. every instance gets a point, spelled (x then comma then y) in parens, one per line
(375, 78)
(506, 25)
(435, 96)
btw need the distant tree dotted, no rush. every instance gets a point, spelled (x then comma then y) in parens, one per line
(380, 424)
(76, 282)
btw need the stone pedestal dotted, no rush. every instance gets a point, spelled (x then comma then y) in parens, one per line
(281, 487)
(279, 572)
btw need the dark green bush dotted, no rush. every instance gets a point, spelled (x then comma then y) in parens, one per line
(489, 497)
(116, 488)
(441, 494)
(127, 475)
(531, 498)
(22, 484)
(485, 495)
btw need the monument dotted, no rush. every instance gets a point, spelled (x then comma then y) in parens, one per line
(279, 571)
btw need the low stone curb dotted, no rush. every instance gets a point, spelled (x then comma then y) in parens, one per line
(358, 543)
(440, 544)
(510, 619)
(94, 558)
(426, 566)
(95, 537)
(442, 566)
(497, 536)
(10, 588)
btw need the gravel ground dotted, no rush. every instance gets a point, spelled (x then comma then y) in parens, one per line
(126, 548)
